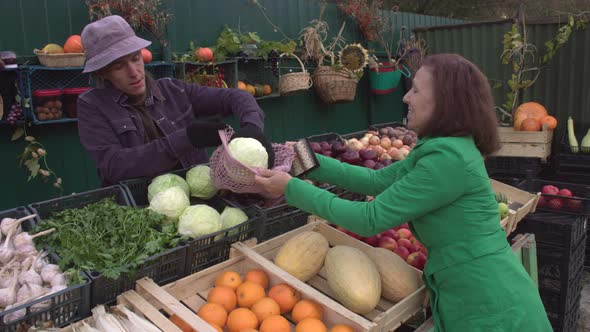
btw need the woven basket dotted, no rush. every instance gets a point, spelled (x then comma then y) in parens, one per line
(294, 82)
(60, 60)
(334, 86)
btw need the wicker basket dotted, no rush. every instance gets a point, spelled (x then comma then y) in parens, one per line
(60, 60)
(333, 85)
(294, 82)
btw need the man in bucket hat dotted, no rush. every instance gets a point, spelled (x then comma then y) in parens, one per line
(134, 126)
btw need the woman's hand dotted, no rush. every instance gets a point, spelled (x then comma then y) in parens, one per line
(273, 182)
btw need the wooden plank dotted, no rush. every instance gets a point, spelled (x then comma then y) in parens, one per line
(194, 302)
(509, 135)
(151, 313)
(336, 308)
(174, 305)
(529, 150)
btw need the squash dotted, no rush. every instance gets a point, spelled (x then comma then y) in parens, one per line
(526, 111)
(353, 278)
(398, 279)
(530, 124)
(550, 121)
(585, 145)
(303, 255)
(571, 135)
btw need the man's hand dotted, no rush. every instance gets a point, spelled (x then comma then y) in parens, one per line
(204, 134)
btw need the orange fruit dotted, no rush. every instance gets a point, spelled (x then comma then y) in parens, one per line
(341, 328)
(216, 327)
(213, 313)
(550, 121)
(307, 309)
(285, 295)
(182, 325)
(275, 323)
(310, 325)
(265, 307)
(146, 55)
(241, 85)
(249, 330)
(241, 319)
(230, 279)
(249, 293)
(267, 89)
(257, 276)
(223, 295)
(74, 44)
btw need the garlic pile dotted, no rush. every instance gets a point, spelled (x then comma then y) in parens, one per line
(25, 273)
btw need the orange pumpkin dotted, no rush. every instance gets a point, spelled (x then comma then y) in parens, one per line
(74, 44)
(550, 121)
(530, 124)
(528, 110)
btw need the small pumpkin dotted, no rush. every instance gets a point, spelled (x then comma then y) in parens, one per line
(204, 54)
(530, 124)
(146, 55)
(550, 121)
(528, 110)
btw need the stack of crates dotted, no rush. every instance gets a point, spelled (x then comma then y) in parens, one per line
(561, 245)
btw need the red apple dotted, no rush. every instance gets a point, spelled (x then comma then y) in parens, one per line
(396, 236)
(414, 259)
(542, 202)
(550, 190)
(404, 233)
(402, 252)
(414, 248)
(389, 233)
(387, 243)
(373, 240)
(555, 203)
(405, 243)
(414, 241)
(565, 192)
(422, 261)
(424, 251)
(406, 226)
(574, 204)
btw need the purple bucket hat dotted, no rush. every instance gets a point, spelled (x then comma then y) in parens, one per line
(107, 40)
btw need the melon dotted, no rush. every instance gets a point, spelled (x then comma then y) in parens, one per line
(398, 279)
(353, 278)
(303, 255)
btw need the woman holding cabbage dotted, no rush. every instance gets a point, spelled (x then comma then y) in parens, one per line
(135, 126)
(443, 191)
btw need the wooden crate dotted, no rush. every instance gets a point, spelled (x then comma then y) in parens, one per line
(520, 203)
(524, 143)
(387, 316)
(184, 297)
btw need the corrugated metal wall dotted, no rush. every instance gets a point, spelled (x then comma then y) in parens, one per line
(563, 86)
(29, 24)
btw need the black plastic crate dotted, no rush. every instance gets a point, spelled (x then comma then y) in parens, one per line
(378, 126)
(326, 137)
(64, 307)
(515, 166)
(556, 229)
(509, 179)
(137, 189)
(281, 219)
(214, 248)
(162, 268)
(577, 205)
(562, 299)
(566, 321)
(357, 134)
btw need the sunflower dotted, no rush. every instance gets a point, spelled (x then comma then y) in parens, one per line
(353, 57)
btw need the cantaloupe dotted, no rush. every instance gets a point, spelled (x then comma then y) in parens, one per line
(303, 255)
(398, 279)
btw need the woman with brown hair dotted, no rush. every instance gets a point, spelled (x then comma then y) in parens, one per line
(443, 191)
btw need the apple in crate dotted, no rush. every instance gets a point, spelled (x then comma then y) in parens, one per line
(402, 252)
(549, 190)
(404, 233)
(387, 243)
(574, 204)
(565, 192)
(417, 260)
(542, 202)
(373, 241)
(405, 243)
(555, 203)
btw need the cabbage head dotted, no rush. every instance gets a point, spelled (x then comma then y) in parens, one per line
(249, 152)
(200, 182)
(165, 181)
(170, 202)
(231, 217)
(199, 220)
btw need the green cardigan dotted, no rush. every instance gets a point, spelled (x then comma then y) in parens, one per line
(442, 189)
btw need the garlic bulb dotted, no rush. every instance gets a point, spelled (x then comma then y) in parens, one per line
(7, 249)
(31, 276)
(25, 251)
(8, 223)
(13, 316)
(29, 291)
(49, 271)
(8, 295)
(23, 238)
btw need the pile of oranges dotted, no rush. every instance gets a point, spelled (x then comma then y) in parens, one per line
(239, 304)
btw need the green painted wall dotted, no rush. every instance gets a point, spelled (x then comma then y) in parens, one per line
(29, 24)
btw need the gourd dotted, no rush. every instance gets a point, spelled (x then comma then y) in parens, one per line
(398, 279)
(303, 255)
(501, 198)
(586, 143)
(526, 111)
(572, 136)
(353, 278)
